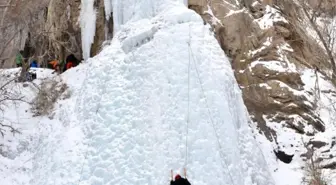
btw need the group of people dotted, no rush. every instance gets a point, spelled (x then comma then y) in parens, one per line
(57, 65)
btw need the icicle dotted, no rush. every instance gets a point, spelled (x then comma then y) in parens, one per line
(118, 13)
(108, 8)
(186, 2)
(88, 26)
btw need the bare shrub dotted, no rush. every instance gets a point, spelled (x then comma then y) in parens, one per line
(325, 33)
(8, 96)
(49, 92)
(313, 174)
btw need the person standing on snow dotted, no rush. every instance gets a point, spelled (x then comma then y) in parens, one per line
(34, 64)
(71, 61)
(179, 180)
(56, 66)
(19, 59)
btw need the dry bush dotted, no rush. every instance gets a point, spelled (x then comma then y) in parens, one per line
(8, 96)
(313, 174)
(325, 32)
(49, 92)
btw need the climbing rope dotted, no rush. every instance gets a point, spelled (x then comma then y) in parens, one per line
(188, 110)
(96, 112)
(208, 109)
(77, 105)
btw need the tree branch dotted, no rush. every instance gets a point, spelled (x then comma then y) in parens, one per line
(312, 20)
(13, 130)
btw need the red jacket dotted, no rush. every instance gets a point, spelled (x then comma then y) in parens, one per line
(69, 65)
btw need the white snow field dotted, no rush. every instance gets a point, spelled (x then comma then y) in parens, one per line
(126, 121)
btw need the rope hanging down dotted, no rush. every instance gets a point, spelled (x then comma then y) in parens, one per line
(188, 110)
(207, 105)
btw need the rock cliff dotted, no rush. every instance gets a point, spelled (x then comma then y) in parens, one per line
(272, 46)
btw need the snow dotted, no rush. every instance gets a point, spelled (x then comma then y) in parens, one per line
(332, 33)
(232, 12)
(282, 173)
(274, 65)
(125, 122)
(87, 21)
(19, 150)
(265, 85)
(185, 2)
(326, 91)
(271, 16)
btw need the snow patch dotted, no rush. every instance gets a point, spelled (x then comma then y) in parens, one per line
(271, 16)
(232, 12)
(274, 66)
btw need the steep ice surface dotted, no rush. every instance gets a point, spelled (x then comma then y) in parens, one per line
(134, 107)
(125, 122)
(88, 26)
(132, 10)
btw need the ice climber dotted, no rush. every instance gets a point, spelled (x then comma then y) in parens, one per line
(19, 59)
(55, 65)
(179, 180)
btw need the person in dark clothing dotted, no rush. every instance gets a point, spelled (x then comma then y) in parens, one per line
(71, 61)
(34, 64)
(180, 181)
(19, 59)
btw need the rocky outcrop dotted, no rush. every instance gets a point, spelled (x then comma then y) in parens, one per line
(55, 32)
(104, 28)
(269, 46)
(64, 34)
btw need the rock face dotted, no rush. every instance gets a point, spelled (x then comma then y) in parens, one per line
(64, 34)
(268, 51)
(56, 32)
(63, 19)
(280, 66)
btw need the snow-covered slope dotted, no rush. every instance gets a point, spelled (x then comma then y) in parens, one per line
(126, 121)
